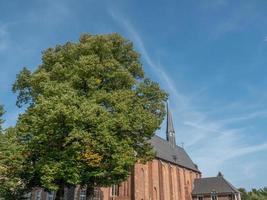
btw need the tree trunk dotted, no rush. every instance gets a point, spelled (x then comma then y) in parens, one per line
(60, 193)
(89, 192)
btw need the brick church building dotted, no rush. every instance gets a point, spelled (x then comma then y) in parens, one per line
(170, 176)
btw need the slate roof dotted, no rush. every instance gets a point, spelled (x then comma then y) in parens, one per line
(176, 155)
(213, 184)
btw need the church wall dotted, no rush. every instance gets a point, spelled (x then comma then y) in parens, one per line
(179, 184)
(174, 180)
(159, 180)
(141, 182)
(182, 182)
(166, 183)
(106, 193)
(224, 198)
(188, 184)
(156, 180)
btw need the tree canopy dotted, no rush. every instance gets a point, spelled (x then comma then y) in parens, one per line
(90, 112)
(254, 194)
(11, 166)
(2, 112)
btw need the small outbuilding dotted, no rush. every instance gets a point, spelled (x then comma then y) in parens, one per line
(214, 188)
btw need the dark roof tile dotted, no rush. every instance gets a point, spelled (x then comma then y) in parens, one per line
(213, 184)
(176, 155)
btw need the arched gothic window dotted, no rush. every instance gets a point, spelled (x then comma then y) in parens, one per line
(155, 194)
(114, 191)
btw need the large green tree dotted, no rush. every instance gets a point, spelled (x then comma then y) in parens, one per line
(90, 113)
(11, 163)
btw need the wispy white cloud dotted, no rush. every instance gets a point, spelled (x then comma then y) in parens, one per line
(211, 142)
(247, 150)
(231, 25)
(159, 71)
(219, 3)
(51, 13)
(214, 4)
(234, 21)
(245, 116)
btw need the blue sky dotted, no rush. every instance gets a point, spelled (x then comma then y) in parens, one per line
(210, 55)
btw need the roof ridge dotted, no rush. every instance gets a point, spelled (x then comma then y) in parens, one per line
(207, 178)
(207, 185)
(174, 155)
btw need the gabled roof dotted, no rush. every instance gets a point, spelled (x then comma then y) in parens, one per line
(213, 184)
(176, 155)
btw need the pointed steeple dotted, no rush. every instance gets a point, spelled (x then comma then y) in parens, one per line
(170, 133)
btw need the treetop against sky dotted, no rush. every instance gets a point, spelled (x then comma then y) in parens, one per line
(210, 56)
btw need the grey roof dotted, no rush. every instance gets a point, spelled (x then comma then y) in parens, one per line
(213, 184)
(176, 155)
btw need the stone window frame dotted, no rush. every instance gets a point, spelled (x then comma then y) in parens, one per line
(200, 197)
(82, 195)
(214, 197)
(28, 196)
(50, 195)
(38, 195)
(114, 192)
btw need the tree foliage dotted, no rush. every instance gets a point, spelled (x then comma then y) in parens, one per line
(90, 113)
(254, 194)
(11, 166)
(2, 112)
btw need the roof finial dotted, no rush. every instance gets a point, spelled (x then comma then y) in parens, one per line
(220, 174)
(170, 133)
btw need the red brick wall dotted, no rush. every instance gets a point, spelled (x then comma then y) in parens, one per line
(156, 180)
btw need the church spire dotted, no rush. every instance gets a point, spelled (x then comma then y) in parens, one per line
(170, 133)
